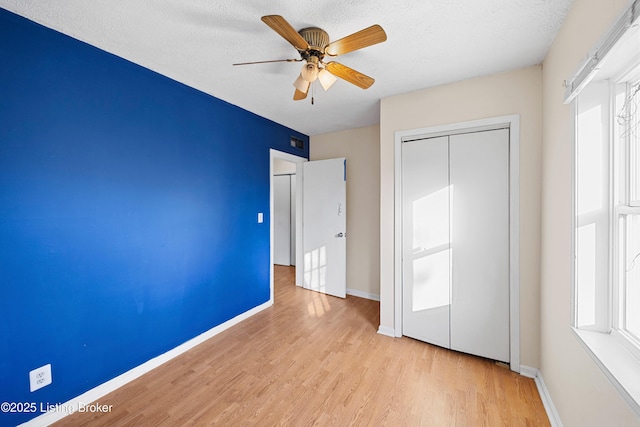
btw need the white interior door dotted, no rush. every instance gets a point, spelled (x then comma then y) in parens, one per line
(322, 222)
(455, 249)
(282, 219)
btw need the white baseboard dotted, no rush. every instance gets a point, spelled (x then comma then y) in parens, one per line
(362, 294)
(385, 330)
(102, 390)
(534, 373)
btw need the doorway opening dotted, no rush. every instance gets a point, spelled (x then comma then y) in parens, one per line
(281, 163)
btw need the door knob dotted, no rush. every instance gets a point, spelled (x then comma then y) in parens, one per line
(340, 235)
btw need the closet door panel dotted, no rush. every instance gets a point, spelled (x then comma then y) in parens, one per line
(425, 236)
(282, 220)
(479, 173)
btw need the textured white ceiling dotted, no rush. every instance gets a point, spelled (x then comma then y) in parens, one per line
(430, 42)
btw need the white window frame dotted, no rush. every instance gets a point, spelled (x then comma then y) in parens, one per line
(614, 350)
(625, 205)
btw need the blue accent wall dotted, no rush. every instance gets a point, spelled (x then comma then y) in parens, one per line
(128, 213)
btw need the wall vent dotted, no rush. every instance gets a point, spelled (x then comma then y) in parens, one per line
(297, 143)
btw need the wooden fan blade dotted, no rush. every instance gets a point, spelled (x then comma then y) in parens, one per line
(363, 38)
(349, 74)
(297, 95)
(282, 27)
(266, 62)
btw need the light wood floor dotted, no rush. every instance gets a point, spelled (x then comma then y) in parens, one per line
(313, 359)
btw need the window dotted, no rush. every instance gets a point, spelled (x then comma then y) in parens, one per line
(606, 293)
(627, 213)
(607, 208)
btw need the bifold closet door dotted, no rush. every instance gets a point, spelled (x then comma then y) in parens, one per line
(479, 171)
(426, 240)
(455, 230)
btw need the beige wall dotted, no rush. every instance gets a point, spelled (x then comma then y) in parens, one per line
(579, 390)
(515, 92)
(361, 149)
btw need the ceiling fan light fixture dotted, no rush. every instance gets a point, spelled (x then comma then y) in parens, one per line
(309, 72)
(301, 84)
(326, 79)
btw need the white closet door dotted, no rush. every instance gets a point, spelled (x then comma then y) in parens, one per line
(282, 220)
(426, 240)
(293, 219)
(479, 171)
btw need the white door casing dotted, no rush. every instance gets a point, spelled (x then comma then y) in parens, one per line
(512, 122)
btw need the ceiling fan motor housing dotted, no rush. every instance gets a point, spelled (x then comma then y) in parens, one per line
(317, 38)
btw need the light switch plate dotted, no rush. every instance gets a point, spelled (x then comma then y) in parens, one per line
(260, 218)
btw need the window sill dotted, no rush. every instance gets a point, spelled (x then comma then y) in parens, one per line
(618, 364)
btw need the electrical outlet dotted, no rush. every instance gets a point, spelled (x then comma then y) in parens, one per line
(40, 377)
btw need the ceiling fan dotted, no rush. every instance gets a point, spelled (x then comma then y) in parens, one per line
(313, 45)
